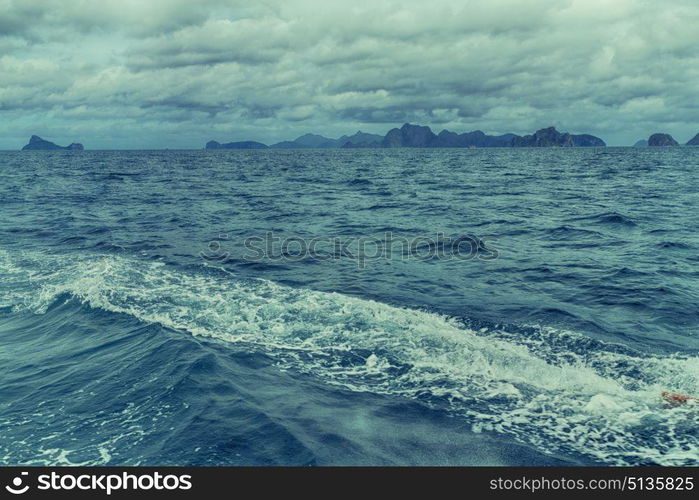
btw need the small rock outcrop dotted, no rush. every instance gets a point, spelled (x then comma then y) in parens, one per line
(643, 143)
(36, 143)
(694, 142)
(661, 140)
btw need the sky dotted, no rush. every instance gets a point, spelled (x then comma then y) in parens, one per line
(132, 74)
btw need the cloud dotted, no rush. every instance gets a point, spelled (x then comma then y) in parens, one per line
(170, 70)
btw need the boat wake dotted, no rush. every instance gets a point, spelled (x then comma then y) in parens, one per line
(558, 391)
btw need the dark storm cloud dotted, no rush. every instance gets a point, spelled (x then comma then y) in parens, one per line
(175, 73)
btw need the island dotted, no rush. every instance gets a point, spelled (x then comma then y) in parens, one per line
(694, 141)
(643, 143)
(409, 136)
(360, 140)
(417, 136)
(550, 137)
(236, 145)
(420, 136)
(662, 140)
(36, 143)
(306, 141)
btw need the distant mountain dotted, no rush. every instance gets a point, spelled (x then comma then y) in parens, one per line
(361, 140)
(477, 138)
(236, 145)
(550, 137)
(307, 141)
(286, 145)
(36, 143)
(416, 136)
(643, 143)
(419, 136)
(409, 136)
(587, 141)
(449, 139)
(661, 140)
(315, 141)
(694, 142)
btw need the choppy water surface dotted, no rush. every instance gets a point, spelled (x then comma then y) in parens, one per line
(138, 327)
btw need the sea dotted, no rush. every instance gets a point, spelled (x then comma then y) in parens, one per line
(349, 307)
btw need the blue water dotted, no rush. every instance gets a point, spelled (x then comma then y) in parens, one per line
(136, 328)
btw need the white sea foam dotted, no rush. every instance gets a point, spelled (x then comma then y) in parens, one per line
(600, 401)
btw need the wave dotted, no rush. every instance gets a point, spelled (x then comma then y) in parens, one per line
(612, 218)
(359, 182)
(559, 391)
(674, 245)
(566, 232)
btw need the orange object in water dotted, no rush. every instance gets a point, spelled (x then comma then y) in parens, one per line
(677, 399)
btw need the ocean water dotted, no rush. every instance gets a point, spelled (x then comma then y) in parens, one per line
(141, 323)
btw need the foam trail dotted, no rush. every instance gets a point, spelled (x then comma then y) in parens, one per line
(552, 389)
